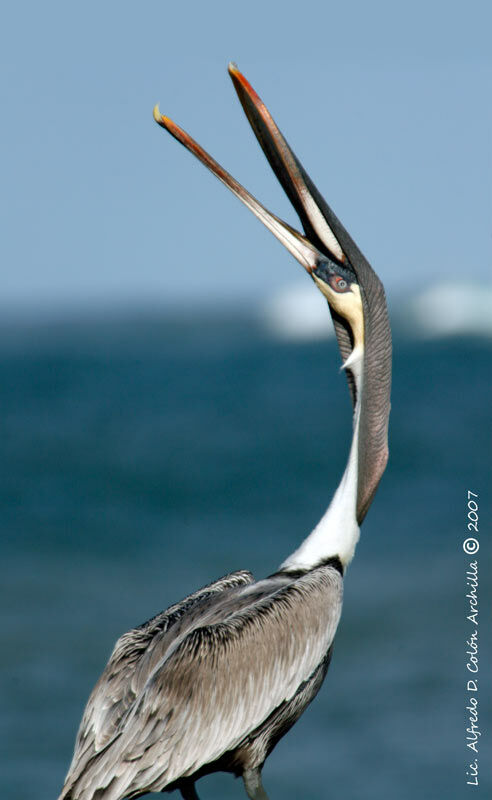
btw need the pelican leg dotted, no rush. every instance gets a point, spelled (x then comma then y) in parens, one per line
(188, 792)
(253, 785)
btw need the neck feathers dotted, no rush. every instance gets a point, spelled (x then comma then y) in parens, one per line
(337, 532)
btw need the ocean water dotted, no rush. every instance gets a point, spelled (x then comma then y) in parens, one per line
(144, 457)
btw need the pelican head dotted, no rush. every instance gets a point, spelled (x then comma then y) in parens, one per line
(339, 285)
(329, 255)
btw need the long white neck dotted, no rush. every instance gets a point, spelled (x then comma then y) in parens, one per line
(337, 532)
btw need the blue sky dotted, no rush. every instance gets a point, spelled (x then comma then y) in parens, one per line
(387, 104)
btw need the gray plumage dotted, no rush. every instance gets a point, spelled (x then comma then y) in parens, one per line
(218, 677)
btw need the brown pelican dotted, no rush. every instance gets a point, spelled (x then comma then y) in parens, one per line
(215, 681)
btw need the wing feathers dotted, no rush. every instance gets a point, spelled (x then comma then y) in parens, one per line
(219, 684)
(132, 660)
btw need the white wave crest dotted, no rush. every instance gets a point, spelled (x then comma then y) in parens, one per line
(298, 312)
(449, 309)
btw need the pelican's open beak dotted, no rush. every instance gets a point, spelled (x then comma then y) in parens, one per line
(310, 206)
(297, 244)
(326, 250)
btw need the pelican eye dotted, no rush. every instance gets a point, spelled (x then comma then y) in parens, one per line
(339, 284)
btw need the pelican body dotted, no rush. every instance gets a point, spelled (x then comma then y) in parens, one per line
(215, 681)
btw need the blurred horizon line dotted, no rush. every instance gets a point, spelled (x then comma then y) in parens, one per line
(294, 312)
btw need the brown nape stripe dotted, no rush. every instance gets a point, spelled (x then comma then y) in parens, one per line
(298, 573)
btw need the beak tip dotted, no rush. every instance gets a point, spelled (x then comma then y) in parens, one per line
(157, 114)
(232, 68)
